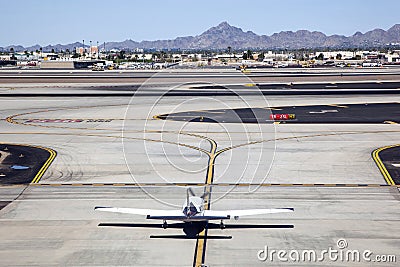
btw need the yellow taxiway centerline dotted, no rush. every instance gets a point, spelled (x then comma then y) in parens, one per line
(381, 166)
(201, 243)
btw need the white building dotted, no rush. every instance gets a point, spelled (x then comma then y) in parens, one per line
(334, 54)
(393, 57)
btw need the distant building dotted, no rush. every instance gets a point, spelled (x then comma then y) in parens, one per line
(5, 57)
(94, 50)
(80, 50)
(394, 57)
(336, 54)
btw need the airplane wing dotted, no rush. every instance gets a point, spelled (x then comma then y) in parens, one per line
(149, 213)
(239, 213)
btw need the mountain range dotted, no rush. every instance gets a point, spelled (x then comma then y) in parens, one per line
(225, 35)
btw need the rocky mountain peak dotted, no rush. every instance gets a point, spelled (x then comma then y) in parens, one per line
(223, 28)
(223, 25)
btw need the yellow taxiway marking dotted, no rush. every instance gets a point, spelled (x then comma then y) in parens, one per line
(156, 117)
(46, 165)
(381, 166)
(201, 243)
(390, 122)
(250, 84)
(338, 106)
(268, 108)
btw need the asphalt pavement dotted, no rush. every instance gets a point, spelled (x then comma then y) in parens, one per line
(335, 113)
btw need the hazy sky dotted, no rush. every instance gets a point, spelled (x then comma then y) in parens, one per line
(29, 22)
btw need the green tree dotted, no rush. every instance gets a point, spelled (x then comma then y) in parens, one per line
(320, 56)
(339, 56)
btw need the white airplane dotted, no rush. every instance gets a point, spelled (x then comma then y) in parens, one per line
(193, 216)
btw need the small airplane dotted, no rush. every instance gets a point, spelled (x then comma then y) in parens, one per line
(194, 218)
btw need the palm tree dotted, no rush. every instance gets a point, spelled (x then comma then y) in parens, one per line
(249, 54)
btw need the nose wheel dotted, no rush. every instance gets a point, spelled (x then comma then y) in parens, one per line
(222, 225)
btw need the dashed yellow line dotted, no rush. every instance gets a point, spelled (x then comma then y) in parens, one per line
(381, 166)
(271, 108)
(214, 184)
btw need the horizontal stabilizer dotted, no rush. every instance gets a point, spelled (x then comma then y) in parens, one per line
(142, 225)
(191, 218)
(249, 226)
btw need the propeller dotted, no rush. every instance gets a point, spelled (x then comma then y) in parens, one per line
(191, 192)
(205, 194)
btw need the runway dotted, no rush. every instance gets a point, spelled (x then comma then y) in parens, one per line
(114, 151)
